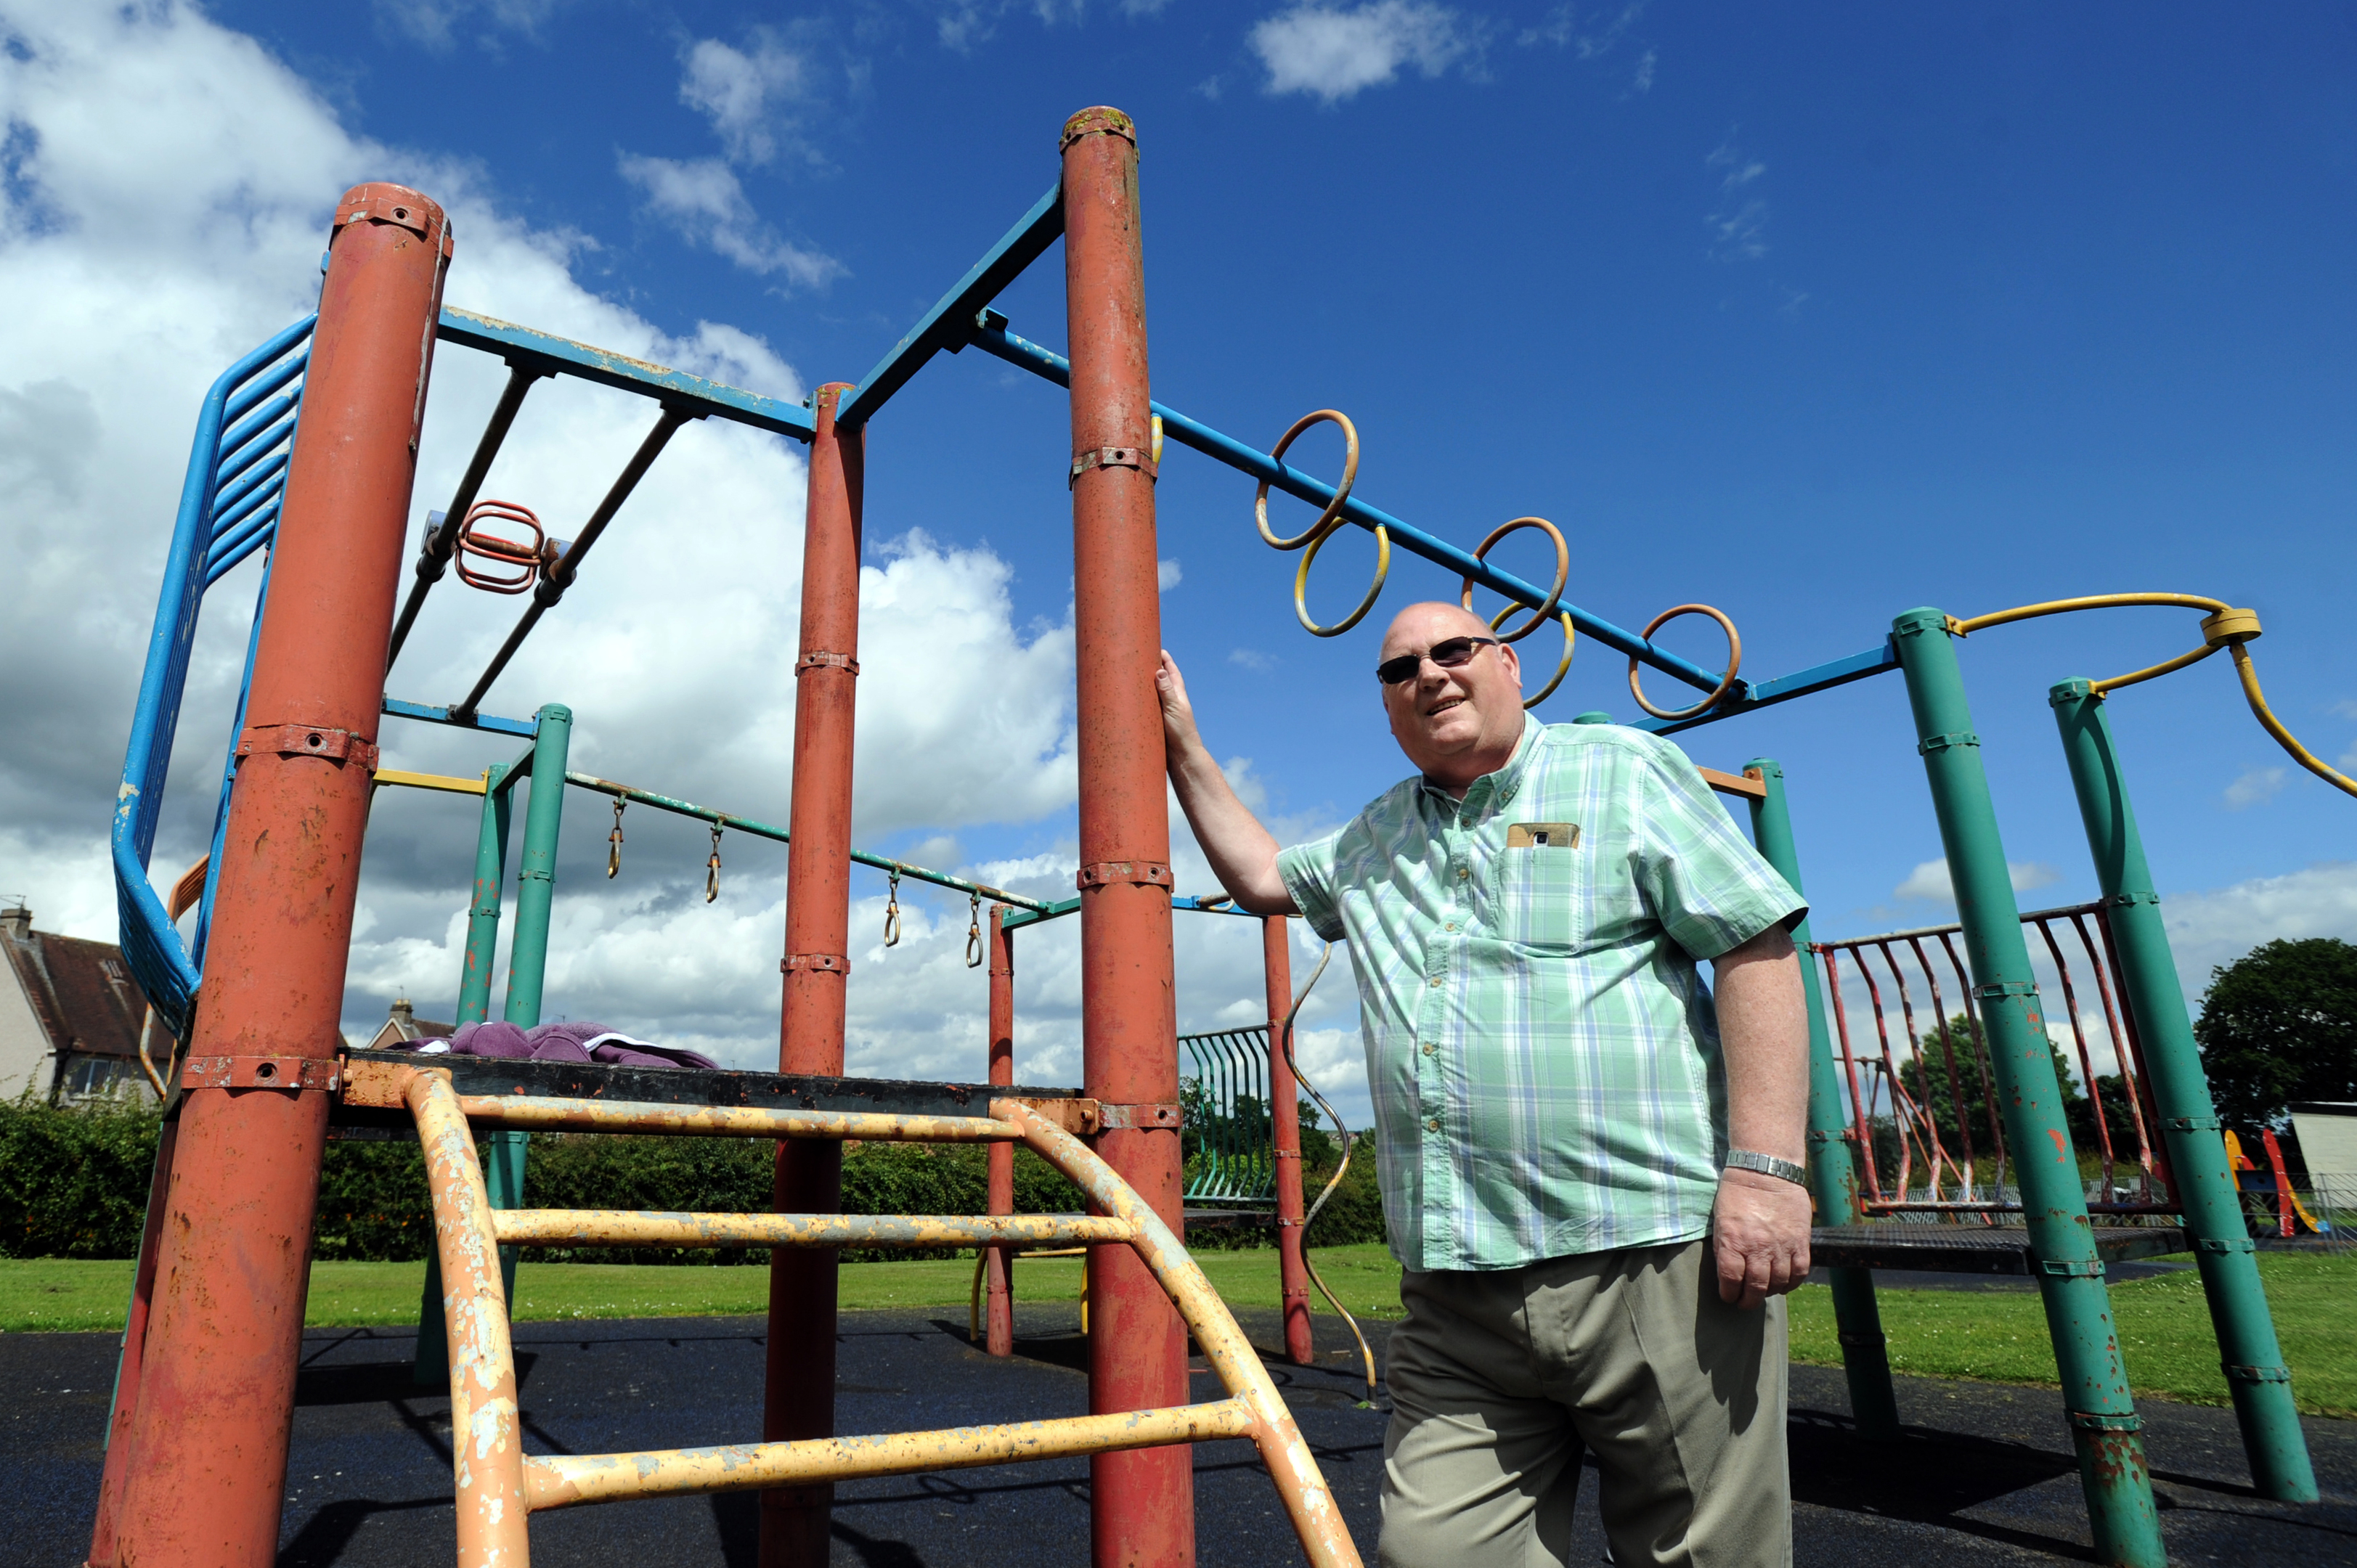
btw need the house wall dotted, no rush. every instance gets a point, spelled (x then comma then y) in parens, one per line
(24, 1048)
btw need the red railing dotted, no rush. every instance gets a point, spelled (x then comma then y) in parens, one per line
(1959, 1166)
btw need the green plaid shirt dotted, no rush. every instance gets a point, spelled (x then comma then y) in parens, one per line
(1543, 1057)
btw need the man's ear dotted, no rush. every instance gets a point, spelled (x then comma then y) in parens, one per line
(1513, 662)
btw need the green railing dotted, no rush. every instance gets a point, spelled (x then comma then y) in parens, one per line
(1230, 1141)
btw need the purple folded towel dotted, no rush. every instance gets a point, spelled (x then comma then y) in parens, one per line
(559, 1043)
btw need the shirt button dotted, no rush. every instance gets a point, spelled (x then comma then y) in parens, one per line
(1434, 1124)
(1429, 1047)
(1452, 925)
(1463, 872)
(1436, 980)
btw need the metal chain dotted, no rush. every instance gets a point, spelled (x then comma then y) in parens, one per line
(712, 868)
(973, 931)
(892, 913)
(614, 841)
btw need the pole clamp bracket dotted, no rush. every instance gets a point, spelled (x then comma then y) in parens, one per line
(1146, 1116)
(2072, 1268)
(1932, 743)
(2191, 1124)
(995, 970)
(2224, 1244)
(833, 660)
(2089, 1421)
(832, 962)
(2235, 1374)
(298, 1074)
(1284, 1224)
(1821, 1137)
(1135, 458)
(2129, 900)
(1288, 1154)
(1872, 1340)
(308, 740)
(1104, 873)
(402, 211)
(1997, 990)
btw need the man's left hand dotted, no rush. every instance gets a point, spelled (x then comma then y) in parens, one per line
(1759, 1230)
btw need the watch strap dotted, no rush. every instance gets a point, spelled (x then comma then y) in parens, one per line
(1768, 1165)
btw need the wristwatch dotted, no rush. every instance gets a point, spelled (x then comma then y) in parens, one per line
(1767, 1164)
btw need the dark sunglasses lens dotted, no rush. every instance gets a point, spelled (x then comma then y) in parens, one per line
(1454, 653)
(1392, 672)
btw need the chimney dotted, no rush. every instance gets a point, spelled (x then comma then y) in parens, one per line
(16, 920)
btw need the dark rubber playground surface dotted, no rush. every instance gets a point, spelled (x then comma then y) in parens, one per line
(1983, 1474)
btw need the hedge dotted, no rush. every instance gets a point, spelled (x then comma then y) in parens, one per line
(73, 1183)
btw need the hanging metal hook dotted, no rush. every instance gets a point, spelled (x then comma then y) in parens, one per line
(614, 841)
(712, 868)
(892, 913)
(974, 932)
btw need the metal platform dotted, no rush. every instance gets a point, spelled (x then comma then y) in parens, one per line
(1972, 1249)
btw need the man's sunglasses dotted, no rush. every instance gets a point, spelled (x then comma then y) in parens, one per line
(1453, 654)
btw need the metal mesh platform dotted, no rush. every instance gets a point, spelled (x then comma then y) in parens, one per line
(1970, 1249)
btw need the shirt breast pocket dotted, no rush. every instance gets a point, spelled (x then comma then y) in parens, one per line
(1537, 884)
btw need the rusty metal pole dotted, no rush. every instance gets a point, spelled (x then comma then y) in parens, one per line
(115, 1472)
(998, 1334)
(1141, 1504)
(799, 1394)
(207, 1468)
(1284, 1112)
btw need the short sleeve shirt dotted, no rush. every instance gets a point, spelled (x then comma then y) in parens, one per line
(1542, 1050)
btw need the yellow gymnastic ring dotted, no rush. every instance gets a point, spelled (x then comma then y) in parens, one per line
(1301, 584)
(1570, 636)
(1562, 573)
(1726, 684)
(1333, 512)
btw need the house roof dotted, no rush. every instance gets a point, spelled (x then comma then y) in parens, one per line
(81, 992)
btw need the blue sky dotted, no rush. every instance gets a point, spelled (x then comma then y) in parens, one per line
(1814, 314)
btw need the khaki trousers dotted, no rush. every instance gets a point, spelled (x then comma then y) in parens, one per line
(1500, 1378)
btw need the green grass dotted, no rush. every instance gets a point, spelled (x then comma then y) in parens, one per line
(53, 1294)
(1993, 1335)
(2164, 1326)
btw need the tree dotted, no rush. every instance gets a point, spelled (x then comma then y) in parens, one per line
(2279, 1024)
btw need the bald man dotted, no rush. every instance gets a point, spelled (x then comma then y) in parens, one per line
(1590, 1162)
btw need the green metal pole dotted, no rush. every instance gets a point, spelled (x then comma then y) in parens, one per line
(2255, 1373)
(2104, 1428)
(1832, 1173)
(431, 1363)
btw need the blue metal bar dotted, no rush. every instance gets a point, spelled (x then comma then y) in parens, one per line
(555, 356)
(1784, 688)
(229, 770)
(231, 524)
(253, 452)
(241, 401)
(489, 721)
(253, 479)
(232, 442)
(263, 528)
(950, 321)
(993, 338)
(157, 955)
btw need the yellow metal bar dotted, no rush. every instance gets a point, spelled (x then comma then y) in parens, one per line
(552, 1115)
(429, 781)
(2274, 726)
(568, 1480)
(485, 1445)
(633, 1228)
(1308, 1502)
(2091, 602)
(2166, 666)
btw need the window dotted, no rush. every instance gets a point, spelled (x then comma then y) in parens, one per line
(88, 1076)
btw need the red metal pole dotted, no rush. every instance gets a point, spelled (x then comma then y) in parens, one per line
(998, 1336)
(104, 1536)
(799, 1394)
(1285, 1111)
(1141, 1504)
(207, 1463)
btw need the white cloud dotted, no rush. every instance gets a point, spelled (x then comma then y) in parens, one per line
(702, 201)
(2256, 787)
(1167, 574)
(1333, 53)
(1252, 659)
(1737, 225)
(434, 23)
(749, 94)
(2206, 929)
(1930, 880)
